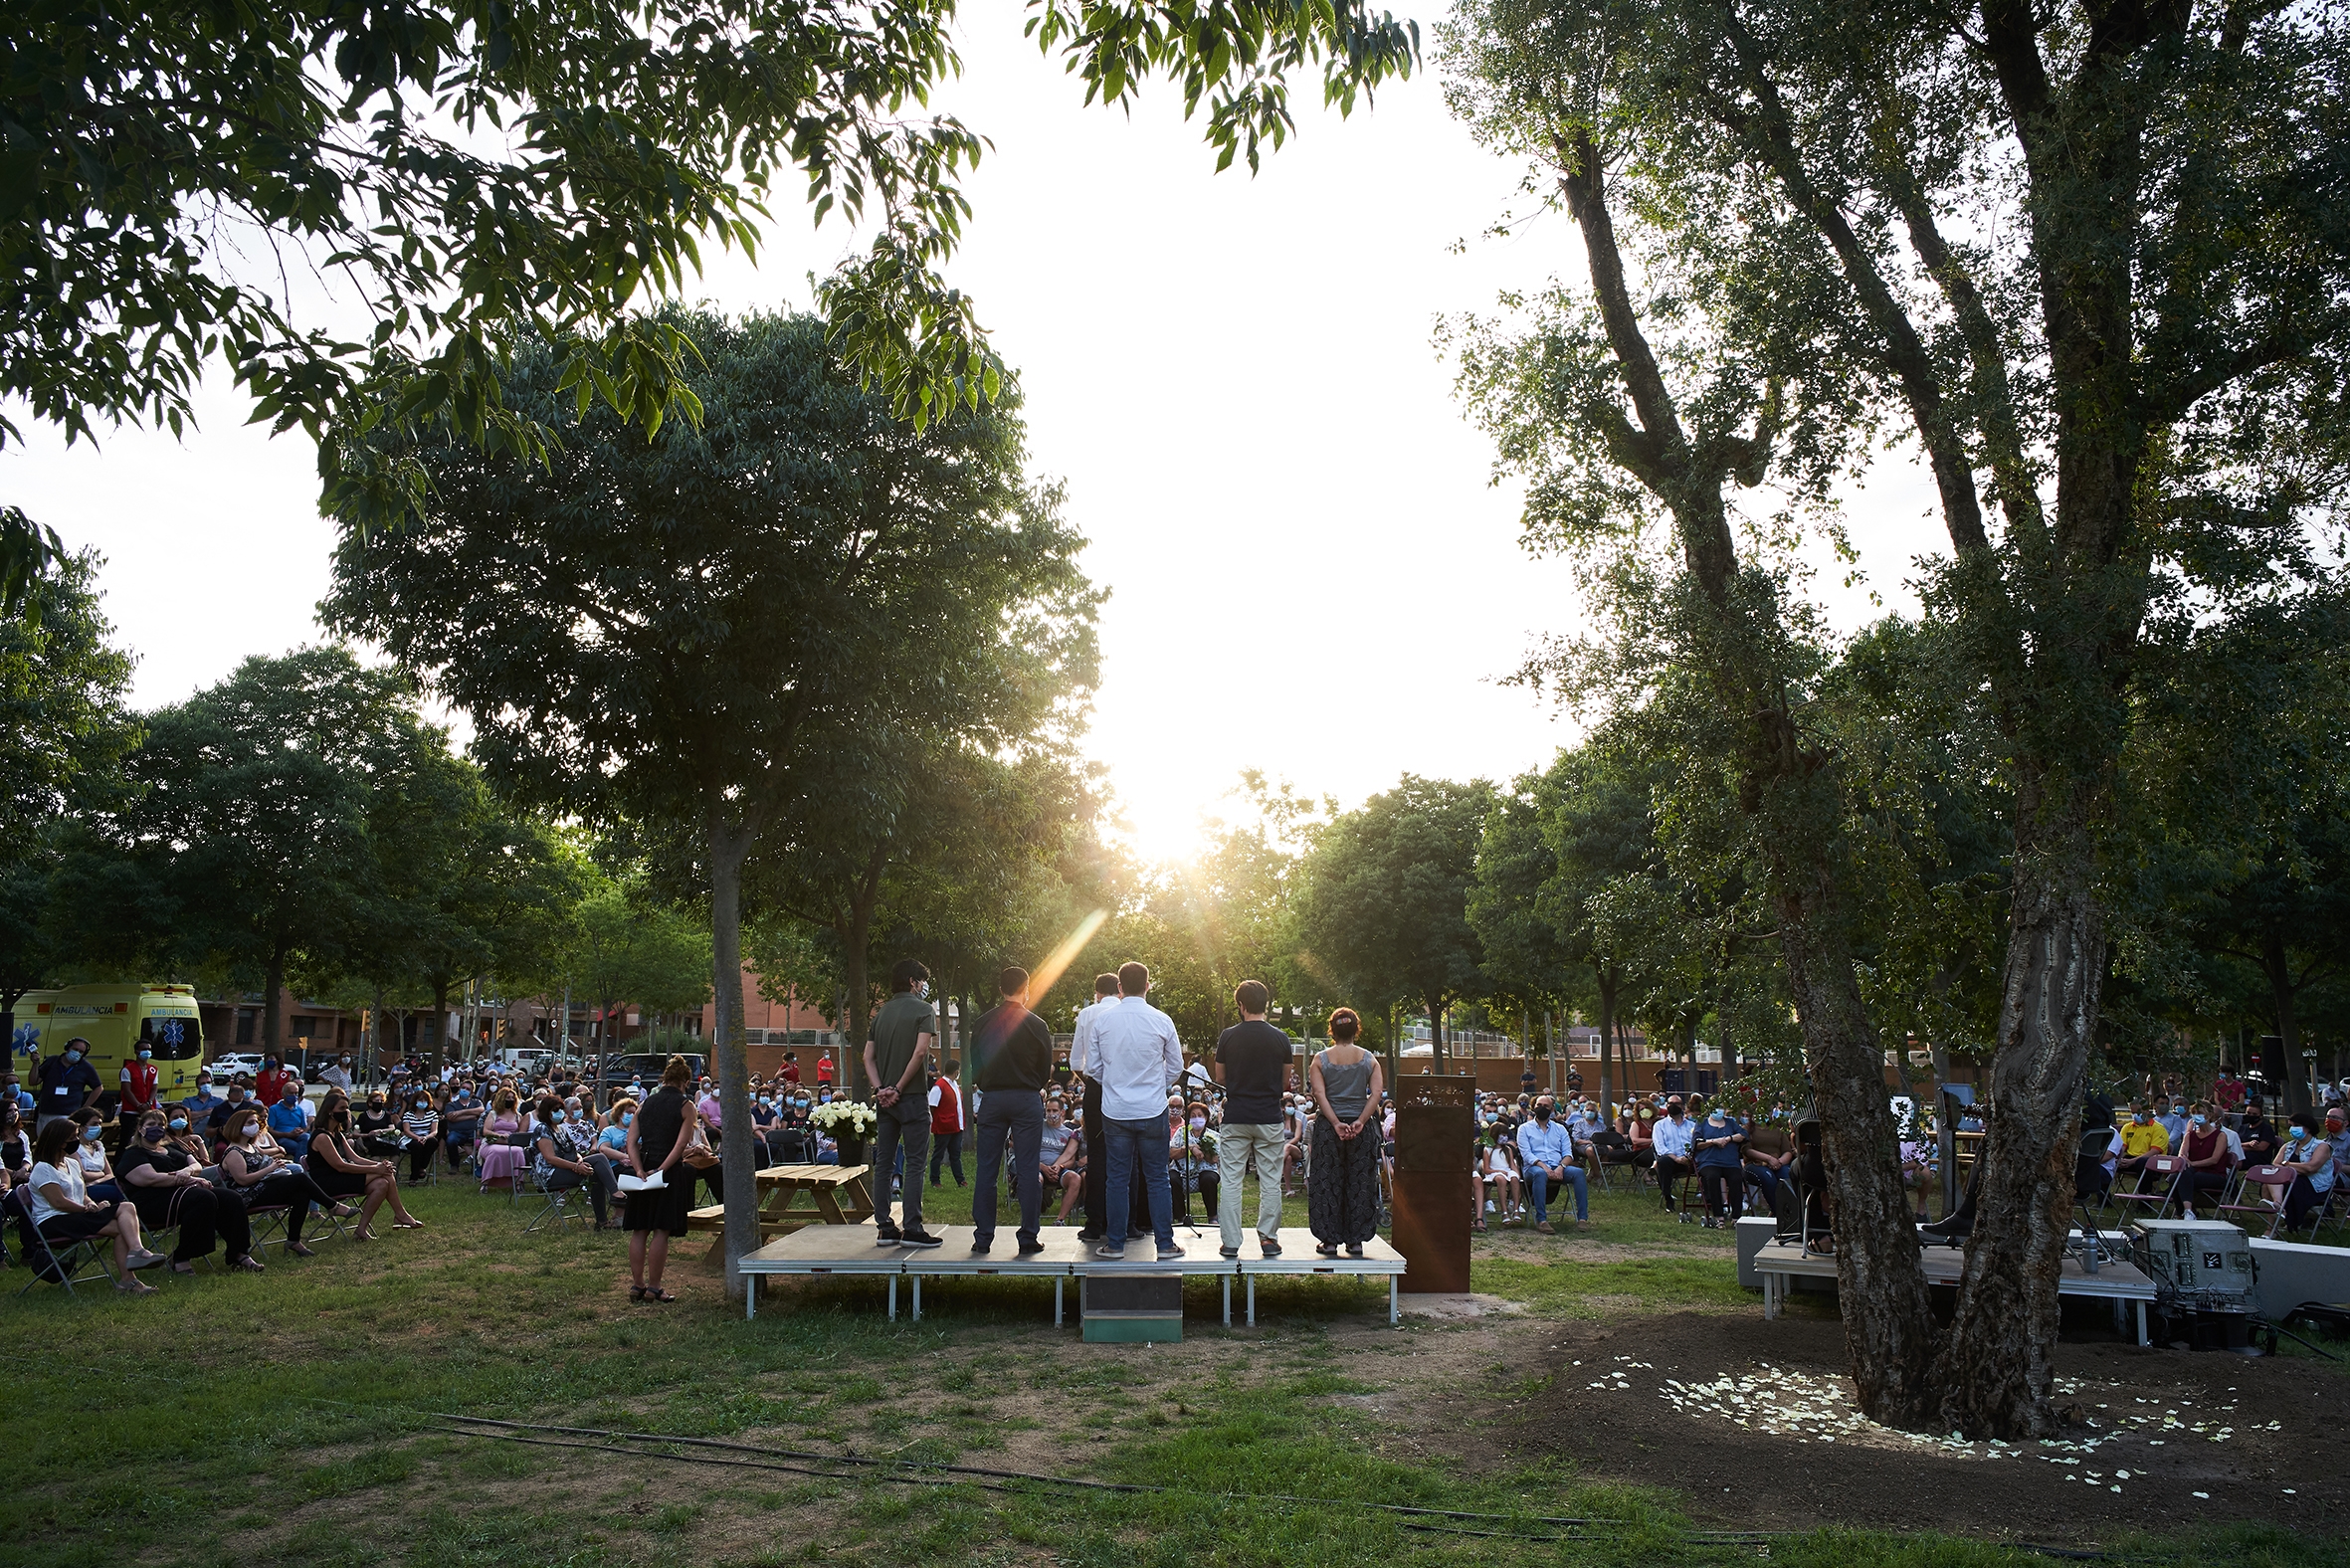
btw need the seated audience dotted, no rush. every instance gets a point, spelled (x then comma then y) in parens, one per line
(339, 1163)
(1721, 1183)
(168, 1185)
(16, 1142)
(1061, 1155)
(90, 1147)
(2208, 1155)
(379, 1126)
(2141, 1137)
(63, 1211)
(563, 1158)
(1674, 1140)
(503, 1149)
(1546, 1160)
(258, 1172)
(2311, 1160)
(460, 1127)
(1498, 1167)
(2257, 1138)
(420, 1128)
(290, 1122)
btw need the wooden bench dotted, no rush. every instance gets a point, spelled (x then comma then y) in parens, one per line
(832, 1194)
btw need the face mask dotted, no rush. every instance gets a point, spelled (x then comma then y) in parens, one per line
(2202, 1120)
(2143, 1118)
(145, 1055)
(1198, 1122)
(250, 1133)
(150, 1134)
(628, 1118)
(558, 1117)
(90, 1134)
(422, 1105)
(1541, 1112)
(179, 1123)
(73, 1055)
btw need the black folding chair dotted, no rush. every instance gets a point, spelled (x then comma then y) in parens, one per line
(65, 1264)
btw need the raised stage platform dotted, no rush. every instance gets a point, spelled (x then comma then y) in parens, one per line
(1781, 1263)
(849, 1249)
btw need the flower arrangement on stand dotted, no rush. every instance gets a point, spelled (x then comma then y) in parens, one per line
(849, 1123)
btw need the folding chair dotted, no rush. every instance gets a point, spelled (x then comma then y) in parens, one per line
(556, 1207)
(2169, 1171)
(2270, 1182)
(269, 1225)
(66, 1264)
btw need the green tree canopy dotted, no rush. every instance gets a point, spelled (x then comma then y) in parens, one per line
(482, 173)
(1384, 904)
(693, 632)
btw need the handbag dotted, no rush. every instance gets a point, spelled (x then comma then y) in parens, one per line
(632, 1181)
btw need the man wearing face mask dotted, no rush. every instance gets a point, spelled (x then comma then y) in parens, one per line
(1546, 1159)
(2140, 1138)
(1011, 1060)
(236, 1100)
(897, 1062)
(136, 1091)
(2174, 1122)
(68, 1084)
(1674, 1140)
(1720, 1179)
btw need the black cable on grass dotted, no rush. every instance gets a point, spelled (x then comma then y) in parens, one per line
(1013, 1476)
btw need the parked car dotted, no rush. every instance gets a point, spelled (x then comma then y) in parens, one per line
(620, 1066)
(230, 1063)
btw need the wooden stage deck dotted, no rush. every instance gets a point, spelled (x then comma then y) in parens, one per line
(847, 1249)
(1781, 1263)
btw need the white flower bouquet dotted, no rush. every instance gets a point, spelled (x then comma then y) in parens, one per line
(843, 1116)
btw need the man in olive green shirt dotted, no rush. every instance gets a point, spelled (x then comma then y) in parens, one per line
(897, 1061)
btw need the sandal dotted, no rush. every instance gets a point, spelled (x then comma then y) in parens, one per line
(654, 1292)
(248, 1262)
(635, 1292)
(134, 1287)
(180, 1266)
(299, 1251)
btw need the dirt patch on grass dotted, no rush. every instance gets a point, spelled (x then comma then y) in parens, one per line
(1659, 1401)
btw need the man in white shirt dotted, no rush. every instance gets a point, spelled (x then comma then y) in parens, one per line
(1133, 1051)
(1081, 1062)
(1674, 1136)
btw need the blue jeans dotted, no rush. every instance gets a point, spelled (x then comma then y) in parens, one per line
(1143, 1143)
(1539, 1187)
(1013, 1116)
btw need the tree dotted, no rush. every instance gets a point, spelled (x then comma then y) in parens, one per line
(2122, 354)
(1385, 899)
(479, 174)
(625, 949)
(252, 814)
(64, 730)
(690, 632)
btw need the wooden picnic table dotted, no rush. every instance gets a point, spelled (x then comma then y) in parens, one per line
(832, 1194)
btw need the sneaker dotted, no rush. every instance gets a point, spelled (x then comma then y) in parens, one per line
(1113, 1254)
(1228, 1251)
(1267, 1247)
(1354, 1249)
(888, 1236)
(1488, 1206)
(1027, 1247)
(982, 1244)
(1138, 1236)
(921, 1238)
(1543, 1228)
(1169, 1252)
(1088, 1236)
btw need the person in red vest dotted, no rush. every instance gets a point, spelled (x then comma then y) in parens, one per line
(824, 1070)
(791, 1067)
(271, 1081)
(946, 1125)
(138, 1090)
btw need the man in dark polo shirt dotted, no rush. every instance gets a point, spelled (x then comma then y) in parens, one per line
(897, 1061)
(1012, 1063)
(1252, 1061)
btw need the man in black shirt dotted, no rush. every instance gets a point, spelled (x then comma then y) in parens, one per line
(67, 1083)
(1252, 1061)
(1013, 1055)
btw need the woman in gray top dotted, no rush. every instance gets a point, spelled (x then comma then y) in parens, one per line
(1342, 1188)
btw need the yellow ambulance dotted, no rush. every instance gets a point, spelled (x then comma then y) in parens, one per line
(117, 1020)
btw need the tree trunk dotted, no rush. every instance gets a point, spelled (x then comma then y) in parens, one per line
(738, 1166)
(1435, 1034)
(273, 1009)
(1607, 1043)
(1997, 1363)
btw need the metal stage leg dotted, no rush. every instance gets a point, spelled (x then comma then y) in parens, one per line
(893, 1299)
(917, 1298)
(750, 1296)
(1058, 1282)
(1228, 1301)
(1252, 1300)
(2141, 1323)
(1392, 1318)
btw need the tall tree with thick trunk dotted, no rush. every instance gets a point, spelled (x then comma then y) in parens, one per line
(2093, 256)
(686, 631)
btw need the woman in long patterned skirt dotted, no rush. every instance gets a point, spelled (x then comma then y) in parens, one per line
(1342, 1195)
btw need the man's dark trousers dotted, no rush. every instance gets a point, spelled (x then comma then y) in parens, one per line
(902, 1126)
(1015, 1115)
(1097, 1165)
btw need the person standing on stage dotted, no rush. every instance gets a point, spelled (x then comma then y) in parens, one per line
(1342, 1199)
(1080, 1063)
(897, 1061)
(1251, 1061)
(1012, 1061)
(1138, 1058)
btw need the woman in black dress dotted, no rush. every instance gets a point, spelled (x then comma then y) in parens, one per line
(169, 1188)
(337, 1165)
(657, 1141)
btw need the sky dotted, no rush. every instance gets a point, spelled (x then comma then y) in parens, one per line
(1310, 570)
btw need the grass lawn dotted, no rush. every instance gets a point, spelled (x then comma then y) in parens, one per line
(301, 1418)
